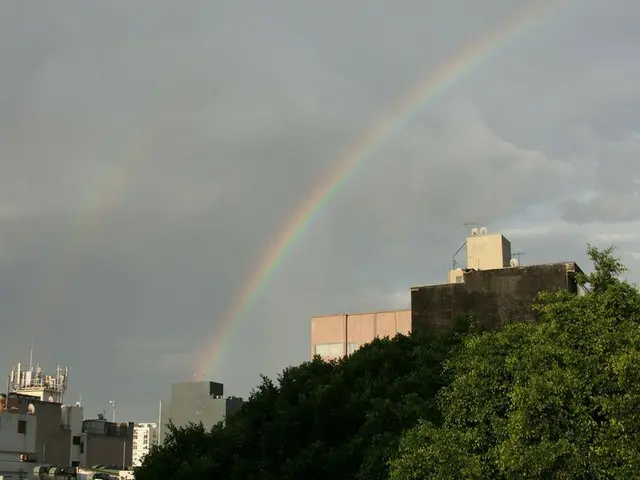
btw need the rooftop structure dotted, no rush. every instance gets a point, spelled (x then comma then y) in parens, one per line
(34, 382)
(106, 443)
(484, 251)
(490, 284)
(494, 287)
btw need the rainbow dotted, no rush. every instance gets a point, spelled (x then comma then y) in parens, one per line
(436, 83)
(101, 196)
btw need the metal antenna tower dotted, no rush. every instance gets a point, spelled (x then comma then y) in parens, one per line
(517, 255)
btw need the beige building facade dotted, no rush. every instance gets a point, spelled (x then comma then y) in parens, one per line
(334, 336)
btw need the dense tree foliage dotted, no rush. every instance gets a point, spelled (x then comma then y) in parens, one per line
(556, 399)
(559, 398)
(320, 420)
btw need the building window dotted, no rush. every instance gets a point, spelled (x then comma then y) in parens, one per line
(22, 426)
(329, 350)
(352, 347)
(76, 440)
(81, 448)
(75, 464)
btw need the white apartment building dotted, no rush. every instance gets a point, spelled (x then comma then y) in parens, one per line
(144, 436)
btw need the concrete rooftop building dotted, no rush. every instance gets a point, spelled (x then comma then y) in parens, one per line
(492, 286)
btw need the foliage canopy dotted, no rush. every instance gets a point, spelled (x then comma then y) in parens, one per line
(339, 419)
(559, 398)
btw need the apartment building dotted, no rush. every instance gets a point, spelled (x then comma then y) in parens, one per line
(145, 435)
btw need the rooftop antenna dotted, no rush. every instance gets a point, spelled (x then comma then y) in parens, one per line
(517, 255)
(454, 261)
(469, 226)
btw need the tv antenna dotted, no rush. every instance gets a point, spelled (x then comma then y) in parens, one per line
(518, 255)
(469, 226)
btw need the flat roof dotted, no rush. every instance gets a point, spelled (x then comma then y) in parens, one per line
(571, 264)
(362, 313)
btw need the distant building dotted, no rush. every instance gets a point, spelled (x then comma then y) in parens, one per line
(199, 402)
(58, 426)
(17, 442)
(35, 383)
(106, 443)
(145, 435)
(493, 287)
(334, 336)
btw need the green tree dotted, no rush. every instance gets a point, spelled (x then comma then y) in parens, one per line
(186, 453)
(559, 398)
(320, 420)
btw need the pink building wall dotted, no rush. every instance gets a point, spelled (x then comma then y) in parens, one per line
(333, 336)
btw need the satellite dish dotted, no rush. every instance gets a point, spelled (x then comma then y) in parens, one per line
(483, 230)
(78, 404)
(514, 262)
(474, 232)
(31, 409)
(50, 398)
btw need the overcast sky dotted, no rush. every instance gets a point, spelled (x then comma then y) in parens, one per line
(151, 150)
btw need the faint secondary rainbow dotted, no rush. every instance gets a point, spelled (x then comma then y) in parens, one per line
(436, 83)
(100, 197)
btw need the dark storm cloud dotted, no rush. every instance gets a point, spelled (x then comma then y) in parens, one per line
(151, 151)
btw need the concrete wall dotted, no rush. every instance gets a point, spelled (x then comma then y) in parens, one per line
(106, 450)
(333, 336)
(13, 443)
(53, 440)
(494, 297)
(106, 443)
(12, 440)
(72, 418)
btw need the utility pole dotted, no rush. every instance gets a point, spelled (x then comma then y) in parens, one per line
(113, 410)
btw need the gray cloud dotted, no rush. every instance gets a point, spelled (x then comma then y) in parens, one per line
(151, 153)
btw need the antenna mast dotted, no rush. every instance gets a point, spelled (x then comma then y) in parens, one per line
(517, 255)
(469, 226)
